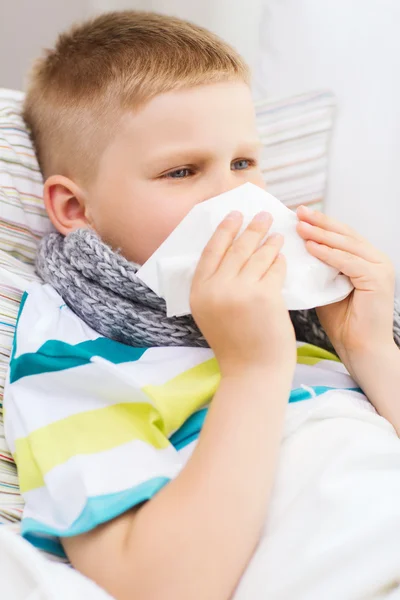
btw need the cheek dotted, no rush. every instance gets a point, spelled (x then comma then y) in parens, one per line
(138, 227)
(258, 179)
(155, 227)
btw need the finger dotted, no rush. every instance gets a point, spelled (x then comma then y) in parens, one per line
(218, 245)
(261, 260)
(357, 246)
(316, 217)
(361, 272)
(245, 245)
(276, 274)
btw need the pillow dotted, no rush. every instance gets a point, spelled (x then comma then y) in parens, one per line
(14, 274)
(295, 134)
(23, 218)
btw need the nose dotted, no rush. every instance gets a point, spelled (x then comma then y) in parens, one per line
(219, 184)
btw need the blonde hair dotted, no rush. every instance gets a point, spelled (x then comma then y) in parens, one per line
(114, 63)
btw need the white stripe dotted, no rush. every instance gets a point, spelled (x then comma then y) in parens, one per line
(42, 319)
(159, 365)
(186, 452)
(311, 375)
(68, 486)
(331, 365)
(40, 400)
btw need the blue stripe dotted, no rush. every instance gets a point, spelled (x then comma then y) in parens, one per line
(55, 355)
(304, 394)
(299, 394)
(98, 510)
(191, 428)
(101, 509)
(189, 431)
(50, 545)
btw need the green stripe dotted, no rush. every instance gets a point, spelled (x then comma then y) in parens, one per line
(19, 175)
(19, 163)
(55, 355)
(311, 351)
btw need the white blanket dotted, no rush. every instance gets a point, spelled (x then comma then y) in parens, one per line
(333, 530)
(25, 574)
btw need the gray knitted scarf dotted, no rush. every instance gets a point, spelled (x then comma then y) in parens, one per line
(102, 288)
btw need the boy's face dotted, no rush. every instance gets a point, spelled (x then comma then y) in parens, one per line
(181, 148)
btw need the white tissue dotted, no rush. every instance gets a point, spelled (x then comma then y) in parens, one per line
(169, 271)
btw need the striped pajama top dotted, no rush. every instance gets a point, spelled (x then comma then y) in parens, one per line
(97, 427)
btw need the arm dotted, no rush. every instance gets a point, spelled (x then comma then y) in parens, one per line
(377, 371)
(196, 536)
(360, 327)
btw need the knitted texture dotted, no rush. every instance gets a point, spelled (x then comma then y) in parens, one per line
(102, 288)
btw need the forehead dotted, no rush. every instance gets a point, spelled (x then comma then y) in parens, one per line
(214, 113)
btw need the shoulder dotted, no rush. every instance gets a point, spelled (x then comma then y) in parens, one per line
(43, 315)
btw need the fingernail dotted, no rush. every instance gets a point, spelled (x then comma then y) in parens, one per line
(262, 216)
(305, 208)
(235, 214)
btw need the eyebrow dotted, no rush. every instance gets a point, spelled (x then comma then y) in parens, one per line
(179, 155)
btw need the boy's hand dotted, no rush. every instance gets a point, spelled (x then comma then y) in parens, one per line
(236, 298)
(363, 322)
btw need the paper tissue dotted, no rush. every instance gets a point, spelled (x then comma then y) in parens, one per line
(169, 271)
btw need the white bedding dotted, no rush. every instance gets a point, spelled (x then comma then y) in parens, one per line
(333, 530)
(25, 574)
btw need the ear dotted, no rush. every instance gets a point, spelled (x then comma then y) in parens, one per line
(66, 204)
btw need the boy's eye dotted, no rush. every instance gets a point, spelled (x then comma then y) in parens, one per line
(185, 172)
(178, 173)
(242, 163)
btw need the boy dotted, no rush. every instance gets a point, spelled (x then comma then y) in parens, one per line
(136, 118)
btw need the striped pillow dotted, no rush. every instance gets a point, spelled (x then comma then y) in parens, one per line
(23, 218)
(295, 134)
